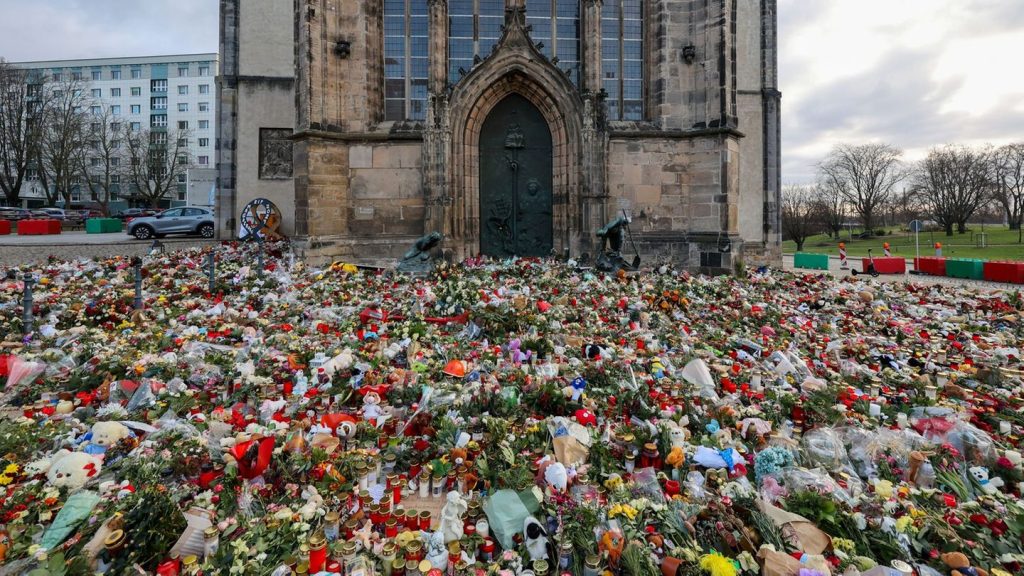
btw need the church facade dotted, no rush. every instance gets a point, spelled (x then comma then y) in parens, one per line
(513, 127)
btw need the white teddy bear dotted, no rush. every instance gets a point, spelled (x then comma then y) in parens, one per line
(70, 470)
(104, 435)
(980, 476)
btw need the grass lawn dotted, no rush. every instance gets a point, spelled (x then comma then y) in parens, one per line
(1002, 244)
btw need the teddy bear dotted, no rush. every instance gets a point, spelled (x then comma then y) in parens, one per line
(104, 435)
(980, 476)
(371, 407)
(959, 565)
(70, 470)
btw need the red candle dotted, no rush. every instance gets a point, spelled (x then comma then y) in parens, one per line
(317, 553)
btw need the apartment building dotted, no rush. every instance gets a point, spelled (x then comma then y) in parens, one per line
(154, 92)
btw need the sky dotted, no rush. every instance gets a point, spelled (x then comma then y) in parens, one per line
(912, 73)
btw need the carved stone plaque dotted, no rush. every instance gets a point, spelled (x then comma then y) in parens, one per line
(275, 153)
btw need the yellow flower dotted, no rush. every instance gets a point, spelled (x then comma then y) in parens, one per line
(844, 544)
(11, 469)
(5, 480)
(903, 524)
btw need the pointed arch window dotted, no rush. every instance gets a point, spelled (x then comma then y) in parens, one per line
(622, 58)
(406, 62)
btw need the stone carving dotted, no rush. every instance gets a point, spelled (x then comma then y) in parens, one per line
(514, 139)
(275, 154)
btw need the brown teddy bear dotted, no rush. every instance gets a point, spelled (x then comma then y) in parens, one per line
(959, 565)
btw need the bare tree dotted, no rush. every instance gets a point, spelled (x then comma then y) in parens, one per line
(953, 181)
(865, 175)
(64, 135)
(156, 159)
(830, 206)
(22, 100)
(1008, 180)
(799, 217)
(102, 160)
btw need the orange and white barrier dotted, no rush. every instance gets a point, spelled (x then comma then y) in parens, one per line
(842, 256)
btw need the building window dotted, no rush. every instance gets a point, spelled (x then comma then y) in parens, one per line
(204, 106)
(115, 110)
(115, 127)
(94, 127)
(158, 138)
(136, 91)
(158, 85)
(95, 110)
(556, 24)
(182, 106)
(405, 59)
(115, 92)
(136, 73)
(182, 124)
(183, 71)
(204, 160)
(58, 77)
(204, 70)
(204, 88)
(182, 142)
(135, 126)
(204, 124)
(97, 75)
(474, 29)
(622, 58)
(182, 160)
(158, 103)
(183, 90)
(204, 142)
(136, 109)
(97, 93)
(115, 74)
(158, 120)
(76, 76)
(115, 161)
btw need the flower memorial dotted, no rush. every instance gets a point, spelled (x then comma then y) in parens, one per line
(523, 417)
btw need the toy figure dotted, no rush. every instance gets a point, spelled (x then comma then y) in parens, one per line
(613, 542)
(451, 517)
(536, 537)
(959, 565)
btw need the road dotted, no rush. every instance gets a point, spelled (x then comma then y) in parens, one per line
(835, 270)
(19, 250)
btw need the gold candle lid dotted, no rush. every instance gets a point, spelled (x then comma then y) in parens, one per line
(190, 560)
(425, 566)
(114, 539)
(398, 564)
(317, 541)
(331, 516)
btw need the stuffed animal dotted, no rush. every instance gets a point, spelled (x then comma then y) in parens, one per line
(980, 476)
(536, 537)
(104, 435)
(371, 407)
(959, 565)
(72, 470)
(612, 542)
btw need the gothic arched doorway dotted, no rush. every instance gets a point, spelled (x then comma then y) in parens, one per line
(515, 181)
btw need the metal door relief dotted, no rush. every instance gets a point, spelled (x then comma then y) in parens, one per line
(515, 181)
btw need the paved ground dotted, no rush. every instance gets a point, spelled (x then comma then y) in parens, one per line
(835, 270)
(17, 250)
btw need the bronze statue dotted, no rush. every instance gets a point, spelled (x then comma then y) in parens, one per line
(417, 259)
(612, 238)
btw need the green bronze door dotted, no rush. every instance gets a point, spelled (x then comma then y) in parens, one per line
(515, 181)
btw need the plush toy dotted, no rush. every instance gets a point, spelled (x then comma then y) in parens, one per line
(959, 565)
(104, 435)
(980, 476)
(371, 407)
(536, 537)
(72, 470)
(613, 542)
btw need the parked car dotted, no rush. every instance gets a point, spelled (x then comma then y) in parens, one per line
(11, 213)
(188, 220)
(50, 212)
(131, 213)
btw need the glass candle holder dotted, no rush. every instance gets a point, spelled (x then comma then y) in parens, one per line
(211, 541)
(331, 526)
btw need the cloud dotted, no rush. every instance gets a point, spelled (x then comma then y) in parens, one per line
(66, 29)
(913, 73)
